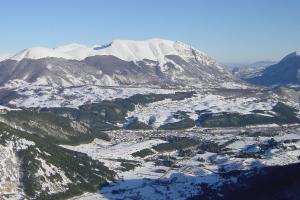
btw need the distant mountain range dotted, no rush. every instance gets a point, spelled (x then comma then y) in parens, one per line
(285, 72)
(249, 70)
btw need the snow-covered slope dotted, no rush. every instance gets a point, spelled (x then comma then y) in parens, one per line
(154, 49)
(128, 50)
(38, 53)
(4, 56)
(154, 62)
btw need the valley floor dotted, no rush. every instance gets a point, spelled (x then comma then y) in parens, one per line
(151, 143)
(188, 160)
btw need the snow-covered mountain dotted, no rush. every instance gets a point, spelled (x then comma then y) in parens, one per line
(285, 72)
(4, 56)
(127, 50)
(152, 62)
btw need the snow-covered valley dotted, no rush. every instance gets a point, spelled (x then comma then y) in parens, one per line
(178, 173)
(143, 143)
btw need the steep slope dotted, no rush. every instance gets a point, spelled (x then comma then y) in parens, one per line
(153, 62)
(283, 73)
(35, 168)
(49, 71)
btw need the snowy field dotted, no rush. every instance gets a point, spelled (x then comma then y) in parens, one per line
(46, 96)
(162, 112)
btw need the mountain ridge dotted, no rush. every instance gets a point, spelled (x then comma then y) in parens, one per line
(128, 50)
(123, 62)
(285, 72)
(4, 56)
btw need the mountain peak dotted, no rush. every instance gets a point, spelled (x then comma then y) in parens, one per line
(295, 53)
(291, 55)
(155, 49)
(132, 50)
(151, 40)
(154, 61)
(38, 53)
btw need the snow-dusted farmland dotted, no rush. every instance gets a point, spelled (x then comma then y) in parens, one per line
(182, 178)
(162, 111)
(45, 96)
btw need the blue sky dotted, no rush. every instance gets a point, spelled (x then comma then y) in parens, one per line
(228, 30)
